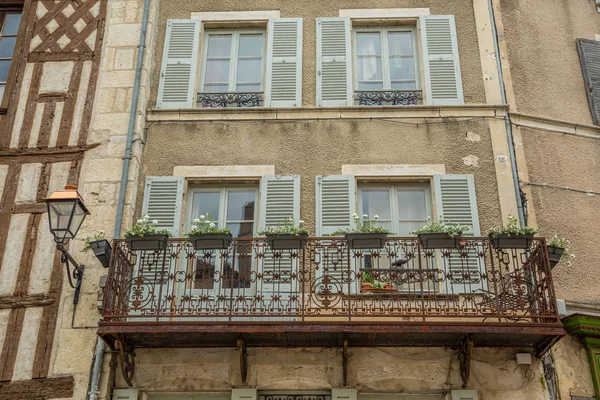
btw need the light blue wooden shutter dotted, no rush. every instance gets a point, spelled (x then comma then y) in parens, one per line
(163, 199)
(244, 394)
(178, 74)
(125, 394)
(335, 203)
(589, 54)
(284, 63)
(334, 62)
(455, 199)
(464, 395)
(443, 82)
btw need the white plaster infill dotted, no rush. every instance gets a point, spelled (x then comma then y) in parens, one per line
(236, 15)
(328, 113)
(384, 13)
(224, 171)
(393, 169)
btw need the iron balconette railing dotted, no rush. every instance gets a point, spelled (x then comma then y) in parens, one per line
(388, 97)
(230, 99)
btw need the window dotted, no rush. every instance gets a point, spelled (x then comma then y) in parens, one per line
(402, 208)
(233, 62)
(9, 29)
(231, 207)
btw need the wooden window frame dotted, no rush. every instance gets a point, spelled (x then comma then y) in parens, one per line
(11, 7)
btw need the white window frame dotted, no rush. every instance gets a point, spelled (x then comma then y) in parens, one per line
(393, 189)
(233, 56)
(385, 60)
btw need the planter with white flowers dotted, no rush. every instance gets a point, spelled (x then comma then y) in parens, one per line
(145, 235)
(558, 250)
(366, 233)
(511, 236)
(440, 234)
(288, 235)
(205, 235)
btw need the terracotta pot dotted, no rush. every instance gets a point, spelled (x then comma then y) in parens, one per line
(388, 286)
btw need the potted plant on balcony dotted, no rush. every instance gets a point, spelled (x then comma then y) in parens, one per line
(100, 246)
(511, 236)
(288, 235)
(366, 234)
(367, 282)
(440, 234)
(144, 235)
(206, 235)
(558, 250)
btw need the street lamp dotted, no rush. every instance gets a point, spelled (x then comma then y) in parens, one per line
(66, 212)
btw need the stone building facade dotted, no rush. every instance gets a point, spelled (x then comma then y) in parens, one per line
(260, 111)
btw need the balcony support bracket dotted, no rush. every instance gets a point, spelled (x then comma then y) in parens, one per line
(345, 362)
(464, 354)
(126, 360)
(241, 345)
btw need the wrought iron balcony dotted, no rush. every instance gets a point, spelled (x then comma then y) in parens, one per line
(388, 97)
(315, 296)
(230, 99)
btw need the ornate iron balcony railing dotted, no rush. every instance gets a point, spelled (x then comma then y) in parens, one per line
(230, 99)
(388, 97)
(250, 282)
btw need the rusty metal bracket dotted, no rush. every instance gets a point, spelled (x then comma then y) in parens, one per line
(241, 345)
(464, 354)
(345, 362)
(126, 360)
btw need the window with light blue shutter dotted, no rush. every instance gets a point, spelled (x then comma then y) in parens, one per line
(163, 198)
(284, 63)
(177, 86)
(441, 65)
(334, 62)
(589, 54)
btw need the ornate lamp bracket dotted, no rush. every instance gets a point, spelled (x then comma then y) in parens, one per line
(241, 345)
(126, 360)
(464, 354)
(345, 362)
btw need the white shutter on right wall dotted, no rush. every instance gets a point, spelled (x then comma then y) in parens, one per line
(279, 200)
(443, 82)
(334, 62)
(163, 200)
(464, 395)
(178, 72)
(335, 203)
(284, 63)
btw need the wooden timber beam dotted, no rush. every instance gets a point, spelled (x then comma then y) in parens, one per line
(46, 388)
(30, 300)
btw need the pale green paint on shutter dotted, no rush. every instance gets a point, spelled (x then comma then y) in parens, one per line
(456, 200)
(284, 63)
(125, 394)
(464, 395)
(178, 74)
(163, 199)
(334, 62)
(589, 54)
(441, 65)
(336, 202)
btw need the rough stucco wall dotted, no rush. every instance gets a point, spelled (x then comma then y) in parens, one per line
(572, 368)
(542, 51)
(313, 9)
(573, 162)
(321, 147)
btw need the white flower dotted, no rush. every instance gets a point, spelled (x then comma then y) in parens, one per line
(212, 225)
(376, 216)
(290, 219)
(301, 221)
(365, 216)
(140, 221)
(196, 220)
(155, 222)
(102, 232)
(202, 217)
(194, 227)
(354, 215)
(146, 216)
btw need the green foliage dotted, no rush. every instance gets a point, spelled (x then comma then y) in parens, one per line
(367, 278)
(145, 226)
(289, 227)
(87, 242)
(205, 225)
(363, 225)
(512, 229)
(442, 226)
(378, 285)
(563, 243)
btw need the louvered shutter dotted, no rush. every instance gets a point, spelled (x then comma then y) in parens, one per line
(455, 200)
(464, 395)
(284, 63)
(163, 198)
(334, 62)
(178, 74)
(344, 394)
(443, 82)
(125, 394)
(589, 54)
(336, 202)
(244, 394)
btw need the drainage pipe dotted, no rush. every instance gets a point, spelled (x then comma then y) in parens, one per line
(509, 135)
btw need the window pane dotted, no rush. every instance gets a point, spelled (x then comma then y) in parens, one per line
(219, 46)
(7, 46)
(217, 71)
(248, 87)
(368, 43)
(4, 67)
(206, 203)
(11, 24)
(369, 69)
(376, 202)
(240, 205)
(412, 205)
(249, 70)
(402, 68)
(251, 45)
(405, 228)
(215, 88)
(370, 86)
(404, 85)
(2, 87)
(241, 229)
(400, 43)
(204, 273)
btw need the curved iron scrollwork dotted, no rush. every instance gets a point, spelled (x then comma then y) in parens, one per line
(388, 97)
(126, 360)
(235, 99)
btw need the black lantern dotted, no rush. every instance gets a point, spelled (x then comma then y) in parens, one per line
(66, 212)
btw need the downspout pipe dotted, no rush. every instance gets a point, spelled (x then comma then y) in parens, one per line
(509, 135)
(99, 355)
